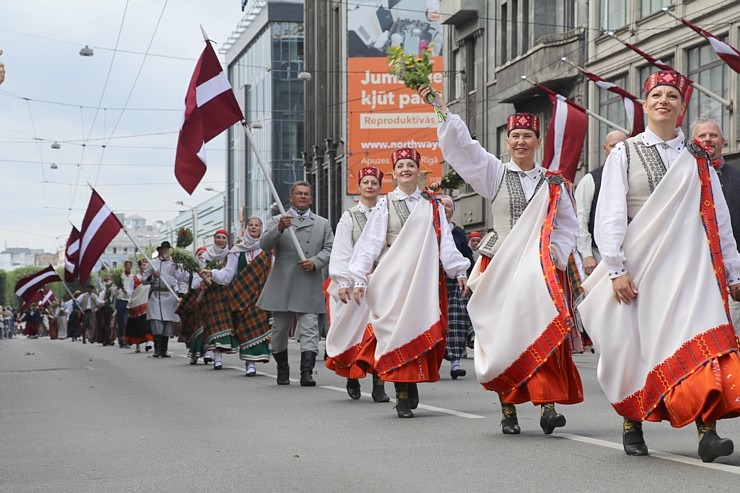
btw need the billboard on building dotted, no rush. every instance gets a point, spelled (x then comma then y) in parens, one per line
(383, 115)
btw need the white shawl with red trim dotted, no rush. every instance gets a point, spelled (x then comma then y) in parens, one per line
(678, 321)
(347, 329)
(517, 324)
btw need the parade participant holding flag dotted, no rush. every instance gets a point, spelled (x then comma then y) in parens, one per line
(668, 349)
(350, 345)
(522, 354)
(406, 293)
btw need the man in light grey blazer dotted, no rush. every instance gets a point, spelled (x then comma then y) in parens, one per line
(293, 290)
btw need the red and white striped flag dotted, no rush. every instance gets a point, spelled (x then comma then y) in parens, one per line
(565, 135)
(655, 62)
(28, 286)
(47, 297)
(727, 53)
(99, 228)
(632, 104)
(72, 255)
(210, 108)
(34, 298)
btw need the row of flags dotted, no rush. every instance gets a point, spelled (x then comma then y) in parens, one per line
(211, 108)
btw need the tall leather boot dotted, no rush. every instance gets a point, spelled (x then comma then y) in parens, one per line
(157, 349)
(413, 395)
(163, 344)
(509, 420)
(711, 445)
(283, 368)
(308, 360)
(550, 418)
(632, 439)
(403, 408)
(379, 394)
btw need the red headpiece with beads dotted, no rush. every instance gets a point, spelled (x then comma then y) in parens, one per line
(370, 171)
(406, 153)
(667, 78)
(523, 121)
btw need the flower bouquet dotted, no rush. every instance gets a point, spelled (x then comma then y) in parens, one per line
(184, 237)
(184, 260)
(414, 71)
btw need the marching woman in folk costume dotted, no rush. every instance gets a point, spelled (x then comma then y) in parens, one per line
(191, 332)
(656, 306)
(406, 293)
(350, 345)
(245, 273)
(524, 331)
(137, 326)
(162, 303)
(214, 306)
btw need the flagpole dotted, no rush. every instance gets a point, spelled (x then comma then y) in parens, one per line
(150, 262)
(698, 86)
(592, 114)
(583, 70)
(275, 195)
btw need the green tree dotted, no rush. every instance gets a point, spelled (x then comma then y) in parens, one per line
(3, 288)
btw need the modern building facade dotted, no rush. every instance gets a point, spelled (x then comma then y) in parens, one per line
(203, 220)
(264, 56)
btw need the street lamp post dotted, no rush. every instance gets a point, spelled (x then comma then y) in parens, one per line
(195, 223)
(226, 212)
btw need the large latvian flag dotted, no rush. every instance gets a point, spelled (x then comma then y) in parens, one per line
(565, 135)
(28, 286)
(727, 53)
(210, 108)
(72, 255)
(37, 298)
(99, 228)
(632, 104)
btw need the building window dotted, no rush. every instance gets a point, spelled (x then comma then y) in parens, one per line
(611, 107)
(613, 14)
(708, 70)
(470, 72)
(503, 150)
(648, 7)
(457, 75)
(503, 33)
(514, 33)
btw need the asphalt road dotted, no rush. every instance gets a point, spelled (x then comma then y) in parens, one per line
(78, 418)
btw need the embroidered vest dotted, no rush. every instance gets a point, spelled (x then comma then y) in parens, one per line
(645, 169)
(359, 220)
(398, 213)
(506, 209)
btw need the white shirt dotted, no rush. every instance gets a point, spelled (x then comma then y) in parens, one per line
(485, 172)
(373, 240)
(611, 210)
(228, 273)
(584, 195)
(341, 250)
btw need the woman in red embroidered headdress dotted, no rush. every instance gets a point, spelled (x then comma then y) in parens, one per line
(524, 333)
(406, 293)
(668, 349)
(350, 345)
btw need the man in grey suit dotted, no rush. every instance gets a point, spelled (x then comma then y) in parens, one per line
(293, 290)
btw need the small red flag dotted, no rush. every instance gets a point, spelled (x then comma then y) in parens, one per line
(632, 104)
(99, 228)
(565, 135)
(72, 255)
(727, 53)
(28, 286)
(210, 108)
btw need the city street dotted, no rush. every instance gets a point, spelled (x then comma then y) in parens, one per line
(78, 418)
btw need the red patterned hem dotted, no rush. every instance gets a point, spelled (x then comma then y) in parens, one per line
(341, 363)
(137, 311)
(531, 359)
(691, 356)
(412, 350)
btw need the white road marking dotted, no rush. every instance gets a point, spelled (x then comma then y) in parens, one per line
(654, 453)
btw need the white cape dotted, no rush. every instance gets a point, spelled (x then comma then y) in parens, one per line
(348, 322)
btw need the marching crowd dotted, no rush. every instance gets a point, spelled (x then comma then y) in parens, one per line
(639, 260)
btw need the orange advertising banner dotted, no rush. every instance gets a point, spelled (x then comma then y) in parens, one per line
(383, 116)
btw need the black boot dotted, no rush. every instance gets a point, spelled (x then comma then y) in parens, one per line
(379, 394)
(308, 360)
(403, 409)
(163, 344)
(283, 368)
(550, 418)
(413, 395)
(509, 421)
(632, 439)
(711, 445)
(157, 345)
(353, 388)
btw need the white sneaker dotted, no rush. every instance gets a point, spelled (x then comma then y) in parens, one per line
(208, 357)
(251, 369)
